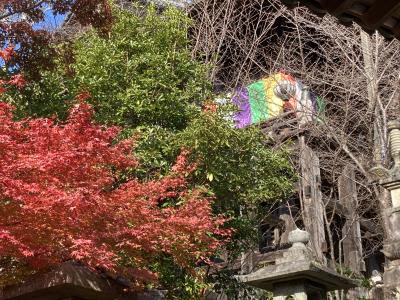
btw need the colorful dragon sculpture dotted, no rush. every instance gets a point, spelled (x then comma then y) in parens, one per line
(273, 95)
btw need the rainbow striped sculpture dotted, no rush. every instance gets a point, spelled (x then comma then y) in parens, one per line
(271, 96)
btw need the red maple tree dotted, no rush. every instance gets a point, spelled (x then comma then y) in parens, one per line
(65, 193)
(16, 79)
(21, 23)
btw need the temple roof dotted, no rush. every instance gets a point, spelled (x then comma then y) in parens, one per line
(371, 15)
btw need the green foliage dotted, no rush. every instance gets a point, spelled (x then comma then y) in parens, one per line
(240, 169)
(233, 289)
(50, 95)
(359, 278)
(12, 270)
(179, 283)
(142, 74)
(236, 163)
(142, 77)
(155, 150)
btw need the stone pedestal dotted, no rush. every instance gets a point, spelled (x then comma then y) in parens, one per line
(295, 289)
(391, 276)
(296, 275)
(299, 290)
(391, 247)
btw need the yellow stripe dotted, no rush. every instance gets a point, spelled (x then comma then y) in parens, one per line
(274, 103)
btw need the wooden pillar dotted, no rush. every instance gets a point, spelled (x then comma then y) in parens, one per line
(352, 246)
(351, 233)
(311, 200)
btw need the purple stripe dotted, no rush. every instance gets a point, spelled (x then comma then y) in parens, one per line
(242, 117)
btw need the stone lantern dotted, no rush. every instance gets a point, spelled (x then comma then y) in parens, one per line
(390, 179)
(296, 276)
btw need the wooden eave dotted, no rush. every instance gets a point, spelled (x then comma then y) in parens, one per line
(371, 15)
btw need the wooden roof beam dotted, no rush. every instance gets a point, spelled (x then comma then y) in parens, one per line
(371, 15)
(378, 13)
(337, 7)
(397, 31)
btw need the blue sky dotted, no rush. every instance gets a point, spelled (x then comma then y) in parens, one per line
(51, 21)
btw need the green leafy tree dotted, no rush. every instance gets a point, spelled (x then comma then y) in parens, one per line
(243, 173)
(236, 163)
(141, 74)
(143, 78)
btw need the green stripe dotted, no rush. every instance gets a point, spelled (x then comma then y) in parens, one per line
(321, 105)
(258, 105)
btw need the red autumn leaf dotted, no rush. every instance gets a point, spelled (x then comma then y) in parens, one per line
(7, 53)
(83, 96)
(20, 24)
(61, 198)
(17, 80)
